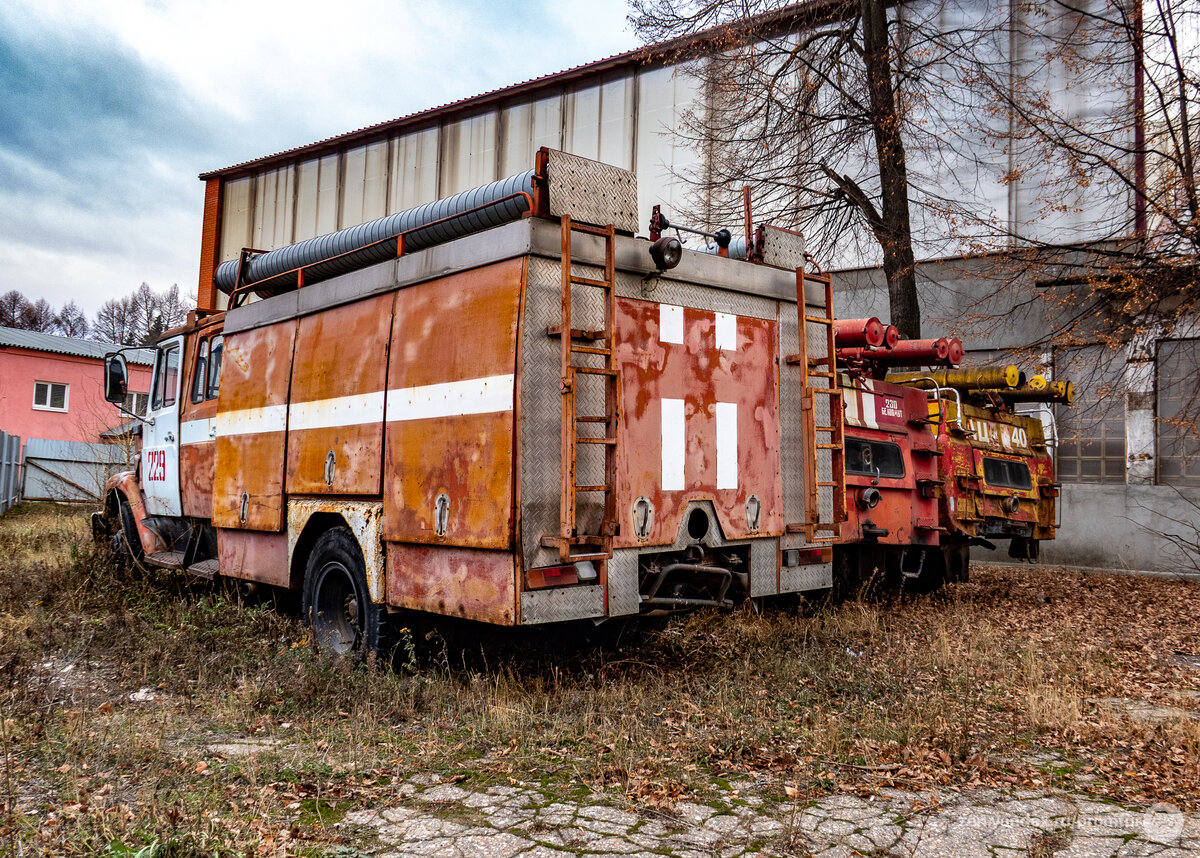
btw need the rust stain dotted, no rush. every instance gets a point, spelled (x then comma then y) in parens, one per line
(252, 556)
(458, 328)
(702, 375)
(340, 352)
(255, 379)
(461, 582)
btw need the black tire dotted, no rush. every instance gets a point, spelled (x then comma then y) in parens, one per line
(125, 540)
(845, 576)
(337, 603)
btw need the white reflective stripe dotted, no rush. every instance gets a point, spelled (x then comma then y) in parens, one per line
(726, 332)
(727, 445)
(270, 418)
(338, 411)
(670, 323)
(868, 415)
(197, 431)
(452, 398)
(674, 445)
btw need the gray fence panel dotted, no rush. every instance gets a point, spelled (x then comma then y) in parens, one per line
(10, 471)
(69, 470)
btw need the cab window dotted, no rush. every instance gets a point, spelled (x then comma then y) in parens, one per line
(166, 378)
(199, 377)
(214, 367)
(874, 458)
(1006, 474)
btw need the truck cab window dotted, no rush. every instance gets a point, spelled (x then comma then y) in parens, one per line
(214, 367)
(199, 377)
(874, 459)
(166, 378)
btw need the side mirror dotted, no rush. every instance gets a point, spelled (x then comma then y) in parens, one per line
(116, 379)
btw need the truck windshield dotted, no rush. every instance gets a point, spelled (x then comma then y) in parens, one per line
(1006, 474)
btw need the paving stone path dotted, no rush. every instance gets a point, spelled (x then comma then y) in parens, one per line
(441, 819)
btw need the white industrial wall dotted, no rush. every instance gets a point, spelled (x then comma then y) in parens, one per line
(626, 119)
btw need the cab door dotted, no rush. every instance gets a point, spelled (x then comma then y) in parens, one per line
(160, 436)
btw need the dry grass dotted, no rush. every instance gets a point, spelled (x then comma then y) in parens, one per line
(989, 683)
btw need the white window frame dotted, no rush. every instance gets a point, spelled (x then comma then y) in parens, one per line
(49, 396)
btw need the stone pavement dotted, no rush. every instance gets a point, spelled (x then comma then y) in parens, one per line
(441, 819)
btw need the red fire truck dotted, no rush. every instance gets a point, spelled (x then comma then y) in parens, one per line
(936, 459)
(500, 406)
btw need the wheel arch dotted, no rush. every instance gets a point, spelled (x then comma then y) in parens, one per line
(308, 520)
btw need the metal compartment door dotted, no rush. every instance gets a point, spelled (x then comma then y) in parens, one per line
(252, 414)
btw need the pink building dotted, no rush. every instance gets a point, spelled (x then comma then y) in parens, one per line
(53, 387)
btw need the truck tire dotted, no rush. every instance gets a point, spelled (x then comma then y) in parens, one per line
(126, 542)
(337, 603)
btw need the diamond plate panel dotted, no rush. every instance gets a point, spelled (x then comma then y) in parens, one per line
(791, 419)
(592, 192)
(782, 248)
(764, 560)
(684, 294)
(561, 603)
(800, 579)
(623, 583)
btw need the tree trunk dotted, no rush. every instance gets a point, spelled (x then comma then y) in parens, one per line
(893, 232)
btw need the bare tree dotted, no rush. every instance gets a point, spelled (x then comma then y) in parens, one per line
(12, 309)
(142, 316)
(807, 102)
(38, 316)
(70, 321)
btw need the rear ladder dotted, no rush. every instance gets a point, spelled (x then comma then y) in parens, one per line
(573, 545)
(831, 437)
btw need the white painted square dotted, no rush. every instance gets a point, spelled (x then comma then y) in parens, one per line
(674, 444)
(727, 332)
(727, 445)
(670, 324)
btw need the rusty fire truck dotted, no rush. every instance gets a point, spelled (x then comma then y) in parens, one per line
(936, 459)
(500, 406)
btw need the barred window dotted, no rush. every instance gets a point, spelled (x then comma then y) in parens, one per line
(1177, 369)
(1091, 433)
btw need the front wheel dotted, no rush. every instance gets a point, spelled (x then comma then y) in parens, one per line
(337, 603)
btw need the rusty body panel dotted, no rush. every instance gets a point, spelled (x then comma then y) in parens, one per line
(127, 484)
(251, 428)
(254, 556)
(460, 582)
(364, 520)
(699, 419)
(449, 441)
(197, 422)
(339, 382)
(884, 418)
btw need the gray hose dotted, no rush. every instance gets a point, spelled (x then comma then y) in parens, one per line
(316, 255)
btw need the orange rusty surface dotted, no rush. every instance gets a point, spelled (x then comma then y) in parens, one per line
(702, 375)
(256, 370)
(206, 293)
(254, 556)
(908, 516)
(455, 329)
(340, 352)
(197, 462)
(128, 485)
(460, 582)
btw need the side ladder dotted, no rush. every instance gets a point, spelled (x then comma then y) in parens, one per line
(829, 436)
(571, 543)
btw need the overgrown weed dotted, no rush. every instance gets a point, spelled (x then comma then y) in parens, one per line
(118, 687)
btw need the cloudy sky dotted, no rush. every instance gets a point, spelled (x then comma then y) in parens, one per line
(110, 108)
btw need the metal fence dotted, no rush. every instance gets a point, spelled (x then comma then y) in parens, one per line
(10, 471)
(69, 470)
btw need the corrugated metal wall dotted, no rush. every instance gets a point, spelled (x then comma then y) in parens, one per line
(622, 120)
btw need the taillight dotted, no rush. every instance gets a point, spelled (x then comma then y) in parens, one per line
(561, 576)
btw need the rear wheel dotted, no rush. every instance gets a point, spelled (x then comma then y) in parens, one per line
(337, 603)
